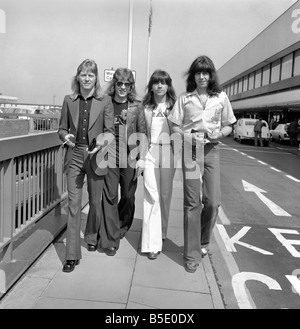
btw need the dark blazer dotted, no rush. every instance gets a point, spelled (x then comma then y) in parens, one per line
(101, 120)
(135, 123)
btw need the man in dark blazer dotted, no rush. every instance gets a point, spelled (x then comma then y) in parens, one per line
(126, 161)
(87, 117)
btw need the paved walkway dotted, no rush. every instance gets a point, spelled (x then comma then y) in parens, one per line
(129, 280)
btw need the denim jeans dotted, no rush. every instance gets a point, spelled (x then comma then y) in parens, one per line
(202, 197)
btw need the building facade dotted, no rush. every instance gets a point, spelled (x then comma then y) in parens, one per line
(263, 78)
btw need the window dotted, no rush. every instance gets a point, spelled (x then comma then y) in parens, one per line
(245, 83)
(275, 71)
(251, 81)
(229, 90)
(286, 67)
(266, 75)
(240, 85)
(235, 87)
(297, 63)
(257, 79)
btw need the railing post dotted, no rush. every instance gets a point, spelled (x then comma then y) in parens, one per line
(59, 179)
(31, 125)
(9, 202)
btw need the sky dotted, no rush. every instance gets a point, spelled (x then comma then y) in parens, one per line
(46, 40)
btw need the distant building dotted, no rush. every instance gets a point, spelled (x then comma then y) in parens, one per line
(7, 99)
(264, 77)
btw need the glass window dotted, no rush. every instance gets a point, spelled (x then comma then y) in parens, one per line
(297, 63)
(236, 85)
(245, 83)
(240, 85)
(257, 79)
(286, 67)
(266, 75)
(232, 88)
(251, 81)
(275, 71)
(229, 89)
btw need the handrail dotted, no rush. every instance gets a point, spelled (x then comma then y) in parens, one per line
(37, 122)
(31, 182)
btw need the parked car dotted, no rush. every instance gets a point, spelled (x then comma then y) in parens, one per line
(280, 133)
(244, 130)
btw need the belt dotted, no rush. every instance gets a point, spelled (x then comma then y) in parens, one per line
(81, 144)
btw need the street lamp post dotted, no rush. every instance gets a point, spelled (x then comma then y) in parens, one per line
(2, 21)
(130, 33)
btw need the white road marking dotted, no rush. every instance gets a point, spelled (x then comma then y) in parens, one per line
(261, 162)
(293, 178)
(239, 287)
(224, 219)
(230, 242)
(232, 268)
(276, 210)
(295, 283)
(275, 169)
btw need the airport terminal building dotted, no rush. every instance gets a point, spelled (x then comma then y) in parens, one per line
(263, 78)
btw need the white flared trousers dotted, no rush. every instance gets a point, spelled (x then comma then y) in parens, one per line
(158, 184)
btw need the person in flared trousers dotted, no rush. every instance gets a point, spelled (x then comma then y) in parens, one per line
(204, 114)
(159, 162)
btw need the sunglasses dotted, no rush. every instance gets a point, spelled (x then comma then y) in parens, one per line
(120, 84)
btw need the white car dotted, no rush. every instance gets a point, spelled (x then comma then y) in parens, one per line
(244, 130)
(280, 133)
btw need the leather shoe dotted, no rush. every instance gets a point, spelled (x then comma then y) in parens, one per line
(70, 265)
(111, 251)
(91, 247)
(153, 255)
(204, 251)
(191, 267)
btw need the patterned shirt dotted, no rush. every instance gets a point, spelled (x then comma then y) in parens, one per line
(189, 113)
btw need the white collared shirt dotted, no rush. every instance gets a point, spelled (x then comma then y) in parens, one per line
(189, 113)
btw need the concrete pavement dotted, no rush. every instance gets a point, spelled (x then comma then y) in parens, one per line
(129, 280)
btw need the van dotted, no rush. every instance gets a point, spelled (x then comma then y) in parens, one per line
(244, 130)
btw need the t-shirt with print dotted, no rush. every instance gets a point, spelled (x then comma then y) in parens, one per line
(159, 125)
(119, 130)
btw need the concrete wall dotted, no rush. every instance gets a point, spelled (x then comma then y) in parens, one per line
(13, 127)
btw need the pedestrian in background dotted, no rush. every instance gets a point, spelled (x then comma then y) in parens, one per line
(293, 132)
(124, 163)
(85, 116)
(159, 163)
(202, 116)
(257, 131)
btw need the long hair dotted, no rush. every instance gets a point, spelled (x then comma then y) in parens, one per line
(91, 66)
(163, 77)
(120, 75)
(203, 64)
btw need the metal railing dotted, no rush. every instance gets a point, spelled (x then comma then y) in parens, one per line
(37, 122)
(31, 183)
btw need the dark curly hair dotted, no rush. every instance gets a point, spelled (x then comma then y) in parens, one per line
(203, 64)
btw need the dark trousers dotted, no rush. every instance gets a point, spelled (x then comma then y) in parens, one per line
(293, 138)
(202, 197)
(117, 215)
(78, 169)
(257, 136)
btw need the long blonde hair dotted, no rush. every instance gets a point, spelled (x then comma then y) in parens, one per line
(89, 65)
